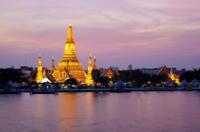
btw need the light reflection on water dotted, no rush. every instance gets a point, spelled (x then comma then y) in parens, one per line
(97, 112)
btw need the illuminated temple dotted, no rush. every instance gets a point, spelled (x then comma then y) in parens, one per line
(68, 67)
(174, 77)
(171, 75)
(69, 63)
(39, 75)
(89, 80)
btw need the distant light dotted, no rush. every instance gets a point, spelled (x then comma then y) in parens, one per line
(70, 24)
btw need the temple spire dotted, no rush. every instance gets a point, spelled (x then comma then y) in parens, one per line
(171, 71)
(39, 75)
(70, 48)
(70, 38)
(90, 62)
(90, 65)
(52, 66)
(89, 80)
(69, 62)
(95, 64)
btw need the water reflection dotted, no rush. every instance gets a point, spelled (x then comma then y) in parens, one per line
(67, 112)
(89, 112)
(89, 107)
(39, 105)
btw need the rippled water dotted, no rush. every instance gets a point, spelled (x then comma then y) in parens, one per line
(101, 112)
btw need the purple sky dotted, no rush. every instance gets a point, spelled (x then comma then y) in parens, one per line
(144, 33)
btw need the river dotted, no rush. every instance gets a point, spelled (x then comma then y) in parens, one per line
(176, 111)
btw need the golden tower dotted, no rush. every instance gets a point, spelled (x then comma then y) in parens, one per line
(174, 77)
(52, 66)
(95, 64)
(69, 62)
(89, 80)
(39, 75)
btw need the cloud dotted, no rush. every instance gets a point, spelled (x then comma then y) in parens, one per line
(127, 31)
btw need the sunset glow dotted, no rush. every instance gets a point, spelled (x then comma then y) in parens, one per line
(144, 33)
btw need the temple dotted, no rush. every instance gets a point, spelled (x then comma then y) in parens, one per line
(68, 68)
(69, 63)
(52, 66)
(39, 75)
(173, 76)
(43, 76)
(170, 74)
(89, 80)
(163, 70)
(109, 73)
(95, 64)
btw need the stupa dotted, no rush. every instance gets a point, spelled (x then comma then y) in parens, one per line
(39, 75)
(69, 63)
(89, 81)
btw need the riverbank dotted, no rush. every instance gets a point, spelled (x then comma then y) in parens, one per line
(53, 91)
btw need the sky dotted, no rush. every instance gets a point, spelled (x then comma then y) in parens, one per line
(144, 33)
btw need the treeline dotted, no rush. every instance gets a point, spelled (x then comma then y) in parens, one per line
(15, 75)
(191, 75)
(136, 77)
(11, 74)
(99, 79)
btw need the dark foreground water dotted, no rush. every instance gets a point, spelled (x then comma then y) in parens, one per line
(101, 112)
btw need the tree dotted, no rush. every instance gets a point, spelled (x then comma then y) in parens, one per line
(70, 82)
(15, 75)
(190, 75)
(115, 77)
(96, 74)
(134, 76)
(104, 81)
(157, 79)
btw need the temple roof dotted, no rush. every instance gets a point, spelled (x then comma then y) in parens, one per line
(163, 70)
(109, 73)
(50, 77)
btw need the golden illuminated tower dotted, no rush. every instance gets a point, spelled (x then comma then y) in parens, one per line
(39, 75)
(69, 62)
(89, 80)
(174, 77)
(52, 66)
(95, 64)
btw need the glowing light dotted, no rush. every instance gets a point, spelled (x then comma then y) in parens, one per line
(69, 66)
(89, 80)
(174, 77)
(39, 75)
